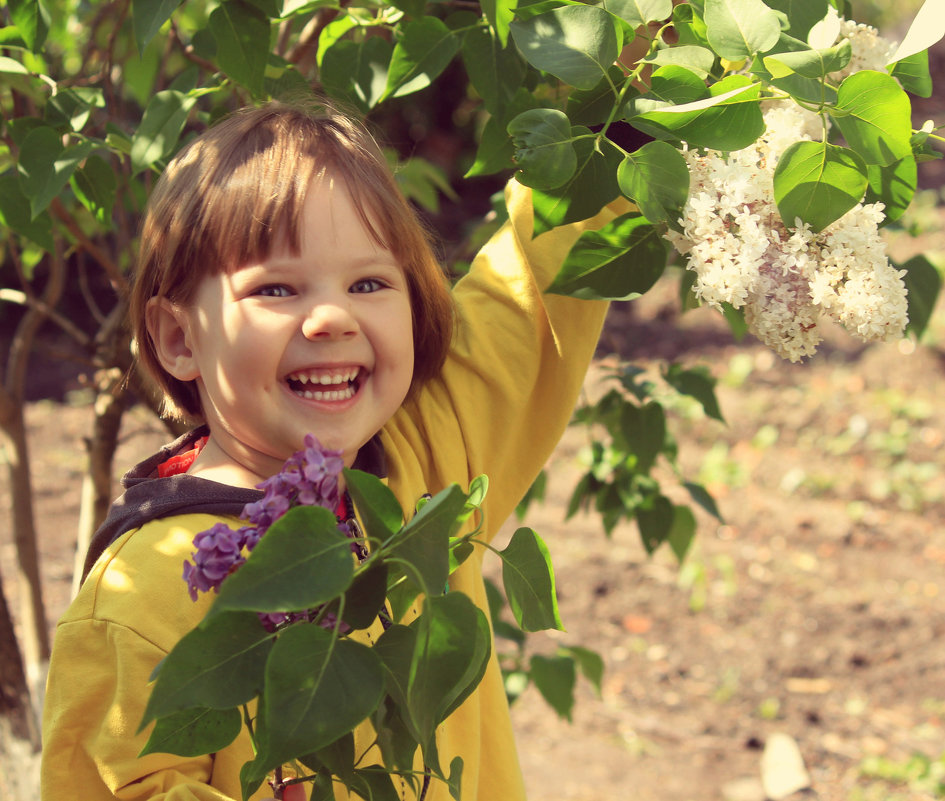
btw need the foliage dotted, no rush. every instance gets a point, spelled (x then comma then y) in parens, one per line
(917, 772)
(405, 684)
(628, 432)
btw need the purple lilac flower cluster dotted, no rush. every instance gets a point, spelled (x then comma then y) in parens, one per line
(308, 478)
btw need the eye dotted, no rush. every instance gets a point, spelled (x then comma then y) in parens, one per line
(273, 291)
(366, 285)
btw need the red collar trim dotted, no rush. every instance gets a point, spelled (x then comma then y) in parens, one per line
(182, 461)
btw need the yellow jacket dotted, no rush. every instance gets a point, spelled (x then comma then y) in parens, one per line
(499, 407)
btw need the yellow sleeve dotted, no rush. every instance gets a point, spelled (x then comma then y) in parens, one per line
(516, 366)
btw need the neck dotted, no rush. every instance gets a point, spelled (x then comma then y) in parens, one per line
(215, 464)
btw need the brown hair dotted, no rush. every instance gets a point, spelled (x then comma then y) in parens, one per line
(228, 197)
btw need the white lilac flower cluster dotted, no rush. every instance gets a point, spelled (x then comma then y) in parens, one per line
(870, 51)
(785, 279)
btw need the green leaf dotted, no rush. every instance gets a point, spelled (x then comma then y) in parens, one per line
(453, 645)
(96, 187)
(689, 27)
(433, 665)
(70, 109)
(396, 647)
(46, 166)
(655, 521)
(10, 66)
(271, 8)
(593, 185)
(317, 690)
(544, 151)
(621, 261)
(802, 14)
(698, 60)
(241, 32)
(337, 757)
(674, 84)
(696, 382)
(729, 119)
(555, 676)
(15, 214)
(818, 183)
(639, 12)
(495, 71)
(455, 779)
(809, 90)
(737, 29)
(364, 599)
(576, 44)
(357, 70)
(924, 283)
(810, 63)
(529, 582)
(495, 151)
(376, 784)
(149, 16)
(894, 186)
(874, 115)
(218, 665)
(536, 492)
(423, 52)
(913, 74)
(302, 560)
(500, 14)
(594, 106)
(656, 178)
(376, 504)
(333, 33)
(32, 21)
(424, 541)
(644, 428)
(682, 531)
(590, 664)
(194, 732)
(160, 129)
(701, 496)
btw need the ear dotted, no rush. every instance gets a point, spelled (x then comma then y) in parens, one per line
(169, 327)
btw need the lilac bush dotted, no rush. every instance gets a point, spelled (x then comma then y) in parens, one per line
(309, 477)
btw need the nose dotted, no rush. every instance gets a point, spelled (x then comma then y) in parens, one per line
(329, 320)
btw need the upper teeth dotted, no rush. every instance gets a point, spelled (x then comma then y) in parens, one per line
(324, 378)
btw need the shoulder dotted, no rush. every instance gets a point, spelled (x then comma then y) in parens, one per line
(138, 582)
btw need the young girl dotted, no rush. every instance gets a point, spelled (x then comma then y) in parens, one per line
(286, 288)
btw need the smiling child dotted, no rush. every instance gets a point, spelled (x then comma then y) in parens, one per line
(284, 288)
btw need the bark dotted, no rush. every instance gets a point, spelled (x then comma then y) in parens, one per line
(97, 484)
(35, 632)
(19, 730)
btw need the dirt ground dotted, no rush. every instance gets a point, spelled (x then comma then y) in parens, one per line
(816, 610)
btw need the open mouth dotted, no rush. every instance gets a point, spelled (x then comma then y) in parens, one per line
(325, 385)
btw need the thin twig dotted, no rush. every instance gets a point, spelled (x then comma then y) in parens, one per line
(189, 53)
(114, 273)
(19, 298)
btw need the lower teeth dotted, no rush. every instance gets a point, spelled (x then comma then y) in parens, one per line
(330, 395)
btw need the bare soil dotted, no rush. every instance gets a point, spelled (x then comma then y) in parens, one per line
(816, 609)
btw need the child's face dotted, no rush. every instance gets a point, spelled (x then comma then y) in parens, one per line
(317, 343)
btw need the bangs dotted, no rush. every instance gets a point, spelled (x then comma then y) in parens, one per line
(253, 202)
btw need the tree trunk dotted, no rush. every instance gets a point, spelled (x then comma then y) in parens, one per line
(110, 405)
(32, 610)
(19, 730)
